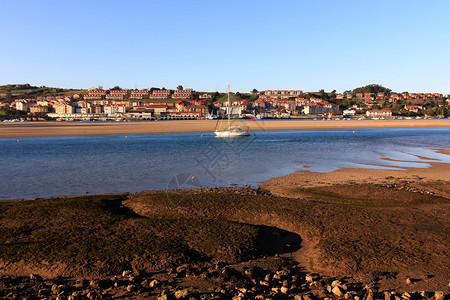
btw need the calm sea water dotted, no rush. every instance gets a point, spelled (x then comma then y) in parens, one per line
(53, 166)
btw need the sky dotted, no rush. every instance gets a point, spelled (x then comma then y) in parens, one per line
(205, 45)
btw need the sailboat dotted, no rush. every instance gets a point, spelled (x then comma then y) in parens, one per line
(232, 130)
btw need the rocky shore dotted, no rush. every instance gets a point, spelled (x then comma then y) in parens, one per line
(268, 278)
(385, 239)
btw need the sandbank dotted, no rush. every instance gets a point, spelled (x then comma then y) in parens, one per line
(34, 129)
(436, 178)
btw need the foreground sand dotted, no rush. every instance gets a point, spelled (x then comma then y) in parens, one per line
(28, 129)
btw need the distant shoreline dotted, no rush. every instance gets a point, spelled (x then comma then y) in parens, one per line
(36, 129)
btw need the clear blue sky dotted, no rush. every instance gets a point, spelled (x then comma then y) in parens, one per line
(204, 45)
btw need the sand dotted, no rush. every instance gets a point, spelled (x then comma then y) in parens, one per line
(437, 178)
(29, 129)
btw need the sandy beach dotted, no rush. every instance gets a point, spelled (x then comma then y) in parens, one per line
(29, 129)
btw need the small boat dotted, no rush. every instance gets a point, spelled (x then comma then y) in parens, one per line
(232, 130)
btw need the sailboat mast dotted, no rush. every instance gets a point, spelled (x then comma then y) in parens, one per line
(229, 107)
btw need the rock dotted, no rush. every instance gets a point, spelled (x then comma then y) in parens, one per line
(264, 283)
(181, 293)
(337, 291)
(94, 283)
(284, 289)
(131, 287)
(268, 277)
(368, 295)
(79, 283)
(74, 296)
(297, 297)
(181, 269)
(307, 297)
(55, 289)
(387, 295)
(408, 281)
(282, 273)
(335, 283)
(439, 295)
(126, 273)
(406, 295)
(35, 277)
(92, 295)
(309, 278)
(275, 290)
(154, 283)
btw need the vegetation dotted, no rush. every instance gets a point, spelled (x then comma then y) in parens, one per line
(372, 88)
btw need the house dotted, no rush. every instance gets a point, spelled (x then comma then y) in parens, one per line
(379, 113)
(349, 112)
(35, 109)
(160, 94)
(413, 108)
(63, 108)
(138, 94)
(116, 94)
(205, 96)
(158, 109)
(23, 105)
(94, 94)
(113, 109)
(182, 94)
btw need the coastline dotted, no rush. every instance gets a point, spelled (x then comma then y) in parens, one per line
(36, 129)
(370, 212)
(286, 185)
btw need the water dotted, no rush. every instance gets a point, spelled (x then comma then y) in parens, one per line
(54, 166)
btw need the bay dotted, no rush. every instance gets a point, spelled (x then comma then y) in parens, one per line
(75, 165)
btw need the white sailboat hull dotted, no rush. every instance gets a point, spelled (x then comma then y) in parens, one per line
(230, 134)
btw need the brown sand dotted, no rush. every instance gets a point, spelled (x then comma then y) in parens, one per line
(28, 129)
(437, 173)
(394, 194)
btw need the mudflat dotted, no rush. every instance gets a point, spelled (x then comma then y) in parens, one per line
(28, 129)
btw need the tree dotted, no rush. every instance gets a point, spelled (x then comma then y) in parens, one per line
(180, 87)
(254, 91)
(116, 88)
(372, 88)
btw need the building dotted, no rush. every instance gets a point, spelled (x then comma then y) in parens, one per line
(94, 94)
(138, 94)
(37, 109)
(182, 94)
(116, 94)
(114, 109)
(413, 108)
(63, 108)
(205, 96)
(160, 94)
(379, 113)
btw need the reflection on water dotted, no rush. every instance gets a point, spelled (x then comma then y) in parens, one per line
(52, 166)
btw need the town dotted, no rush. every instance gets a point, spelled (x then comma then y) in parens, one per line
(23, 101)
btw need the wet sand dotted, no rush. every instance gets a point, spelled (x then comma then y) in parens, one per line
(437, 177)
(29, 129)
